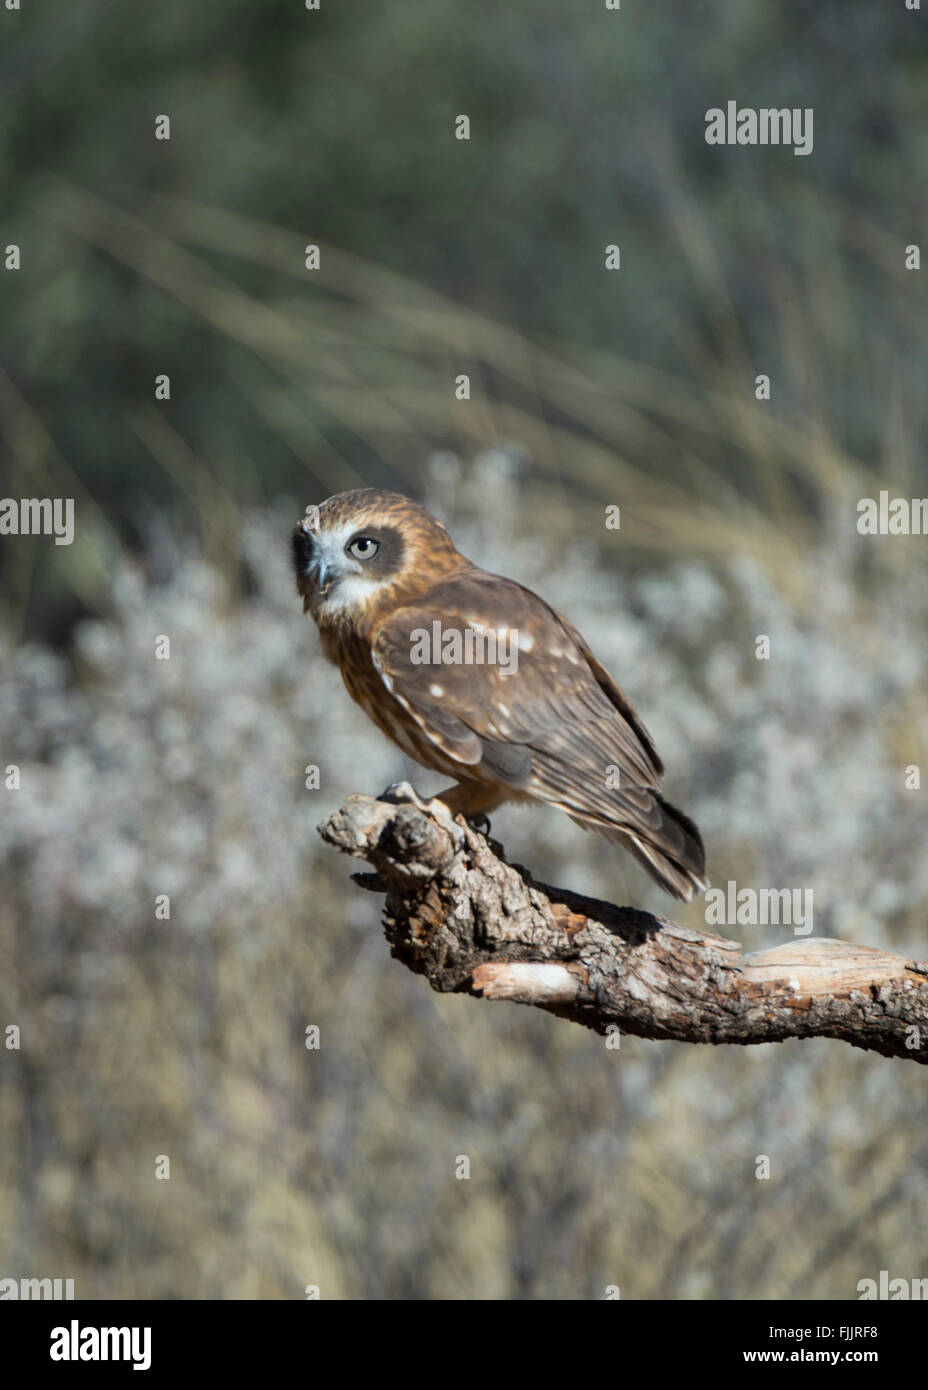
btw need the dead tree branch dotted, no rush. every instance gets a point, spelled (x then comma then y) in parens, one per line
(472, 923)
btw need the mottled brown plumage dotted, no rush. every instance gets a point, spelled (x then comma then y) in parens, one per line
(377, 569)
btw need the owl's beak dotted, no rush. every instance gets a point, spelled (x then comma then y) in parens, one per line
(318, 562)
(324, 574)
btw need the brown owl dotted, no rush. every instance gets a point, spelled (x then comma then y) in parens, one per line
(475, 676)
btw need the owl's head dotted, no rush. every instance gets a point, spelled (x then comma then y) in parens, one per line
(363, 548)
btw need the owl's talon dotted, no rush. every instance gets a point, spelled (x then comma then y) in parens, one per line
(480, 822)
(398, 793)
(440, 812)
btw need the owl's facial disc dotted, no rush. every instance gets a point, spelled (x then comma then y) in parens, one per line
(342, 566)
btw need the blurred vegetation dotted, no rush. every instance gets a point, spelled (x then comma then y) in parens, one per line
(438, 257)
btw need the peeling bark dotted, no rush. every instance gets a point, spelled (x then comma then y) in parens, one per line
(459, 914)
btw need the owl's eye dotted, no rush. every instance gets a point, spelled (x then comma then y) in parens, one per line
(363, 547)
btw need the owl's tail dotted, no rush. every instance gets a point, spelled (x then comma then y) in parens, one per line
(668, 844)
(676, 855)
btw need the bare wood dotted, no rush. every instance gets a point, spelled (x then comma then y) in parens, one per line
(459, 914)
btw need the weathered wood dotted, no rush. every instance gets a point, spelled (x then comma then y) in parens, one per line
(459, 914)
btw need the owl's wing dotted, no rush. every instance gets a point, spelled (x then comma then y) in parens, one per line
(545, 718)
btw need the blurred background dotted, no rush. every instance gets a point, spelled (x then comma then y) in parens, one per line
(589, 388)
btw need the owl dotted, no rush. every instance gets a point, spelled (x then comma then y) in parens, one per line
(476, 677)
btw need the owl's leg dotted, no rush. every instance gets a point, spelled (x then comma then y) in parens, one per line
(472, 800)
